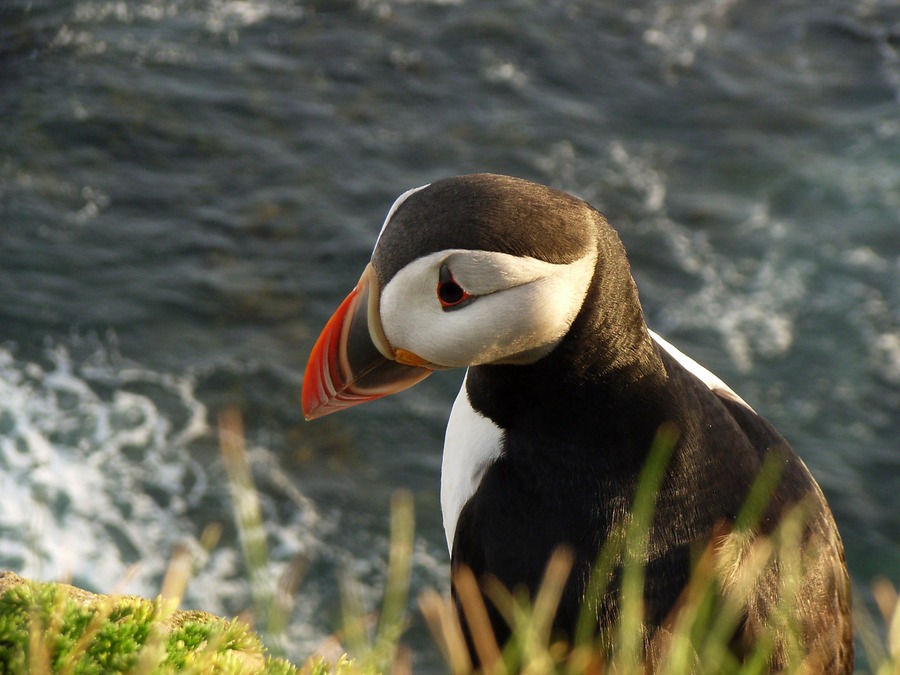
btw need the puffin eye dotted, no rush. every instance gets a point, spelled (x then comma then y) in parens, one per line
(450, 294)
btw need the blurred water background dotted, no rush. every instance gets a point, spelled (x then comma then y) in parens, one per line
(188, 188)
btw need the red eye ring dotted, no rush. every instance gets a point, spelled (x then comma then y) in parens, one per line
(450, 294)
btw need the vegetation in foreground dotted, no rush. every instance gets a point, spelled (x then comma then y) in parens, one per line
(55, 628)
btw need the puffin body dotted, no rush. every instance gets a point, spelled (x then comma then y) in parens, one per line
(530, 289)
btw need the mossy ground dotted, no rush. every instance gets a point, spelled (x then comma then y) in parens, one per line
(48, 627)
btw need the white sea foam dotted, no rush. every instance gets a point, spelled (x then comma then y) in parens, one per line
(92, 482)
(680, 30)
(751, 303)
(99, 485)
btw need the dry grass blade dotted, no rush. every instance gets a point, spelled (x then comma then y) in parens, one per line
(443, 621)
(547, 601)
(178, 573)
(888, 604)
(271, 613)
(396, 592)
(475, 612)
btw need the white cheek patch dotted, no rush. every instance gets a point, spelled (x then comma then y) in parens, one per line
(708, 378)
(409, 306)
(523, 307)
(471, 444)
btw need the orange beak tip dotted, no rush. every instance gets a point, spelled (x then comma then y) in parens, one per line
(345, 366)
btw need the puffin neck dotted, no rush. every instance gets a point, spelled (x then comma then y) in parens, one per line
(603, 369)
(609, 340)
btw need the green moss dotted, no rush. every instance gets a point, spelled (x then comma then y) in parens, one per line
(57, 627)
(344, 666)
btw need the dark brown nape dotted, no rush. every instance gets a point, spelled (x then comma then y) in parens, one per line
(486, 212)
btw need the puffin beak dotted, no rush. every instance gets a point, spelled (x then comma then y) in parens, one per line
(352, 361)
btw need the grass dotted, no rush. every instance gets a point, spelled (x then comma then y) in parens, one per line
(55, 628)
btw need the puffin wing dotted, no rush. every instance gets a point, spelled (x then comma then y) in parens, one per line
(822, 611)
(708, 378)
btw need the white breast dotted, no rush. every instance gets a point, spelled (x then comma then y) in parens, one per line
(472, 443)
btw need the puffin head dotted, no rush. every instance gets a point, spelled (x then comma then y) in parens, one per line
(467, 271)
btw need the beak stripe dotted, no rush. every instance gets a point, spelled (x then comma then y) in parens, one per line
(348, 364)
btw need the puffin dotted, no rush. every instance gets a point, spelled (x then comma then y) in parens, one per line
(529, 289)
